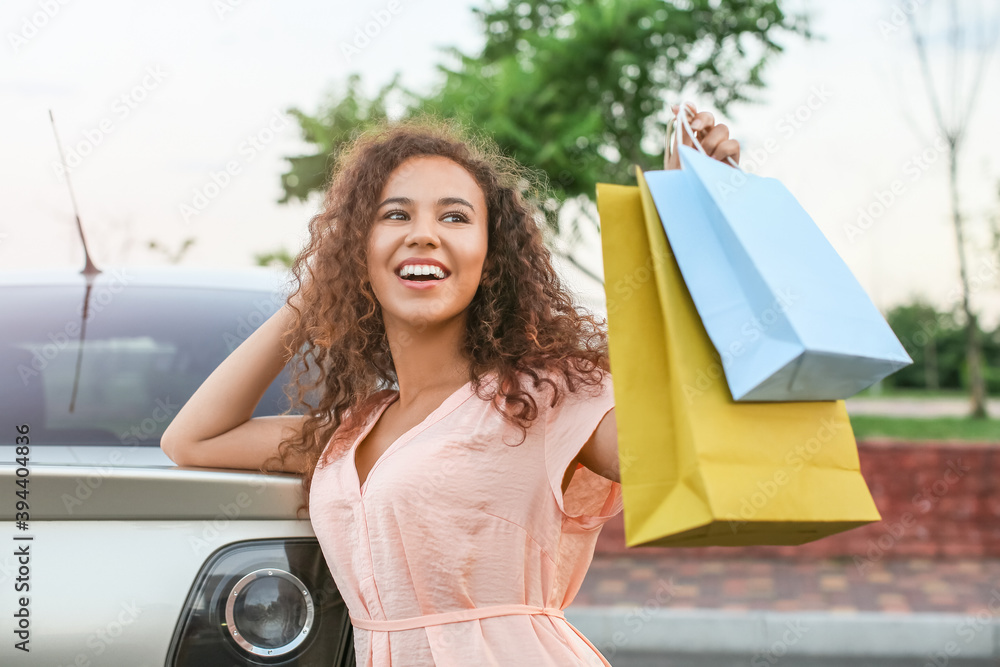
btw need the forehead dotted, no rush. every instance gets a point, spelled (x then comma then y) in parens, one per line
(430, 177)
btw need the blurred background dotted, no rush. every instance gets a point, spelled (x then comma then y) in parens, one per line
(202, 133)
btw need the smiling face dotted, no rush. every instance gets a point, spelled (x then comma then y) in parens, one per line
(428, 242)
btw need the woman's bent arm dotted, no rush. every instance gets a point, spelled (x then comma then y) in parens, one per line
(214, 429)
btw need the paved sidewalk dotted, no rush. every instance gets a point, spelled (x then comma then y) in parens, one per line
(652, 610)
(834, 586)
(917, 407)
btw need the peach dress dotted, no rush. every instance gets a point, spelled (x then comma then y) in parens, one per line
(460, 548)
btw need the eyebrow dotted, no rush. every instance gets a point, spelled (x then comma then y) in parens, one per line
(444, 201)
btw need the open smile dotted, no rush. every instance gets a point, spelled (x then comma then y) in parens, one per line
(420, 273)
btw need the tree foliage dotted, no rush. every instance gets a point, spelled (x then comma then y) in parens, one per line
(580, 88)
(329, 130)
(935, 340)
(576, 89)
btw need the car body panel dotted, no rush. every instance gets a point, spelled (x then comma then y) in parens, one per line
(119, 534)
(108, 492)
(103, 609)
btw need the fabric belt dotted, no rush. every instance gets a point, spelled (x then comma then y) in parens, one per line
(454, 617)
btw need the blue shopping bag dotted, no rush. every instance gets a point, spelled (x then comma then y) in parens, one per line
(783, 310)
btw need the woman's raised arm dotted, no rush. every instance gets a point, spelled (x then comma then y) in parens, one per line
(214, 429)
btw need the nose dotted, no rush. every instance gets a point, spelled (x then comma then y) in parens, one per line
(423, 230)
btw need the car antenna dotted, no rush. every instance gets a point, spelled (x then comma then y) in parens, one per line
(90, 269)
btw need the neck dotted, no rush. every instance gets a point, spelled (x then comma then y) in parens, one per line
(429, 359)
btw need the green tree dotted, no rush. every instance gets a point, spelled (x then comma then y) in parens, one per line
(577, 88)
(922, 330)
(338, 121)
(965, 34)
(280, 257)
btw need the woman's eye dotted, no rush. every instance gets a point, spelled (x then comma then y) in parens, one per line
(390, 215)
(461, 217)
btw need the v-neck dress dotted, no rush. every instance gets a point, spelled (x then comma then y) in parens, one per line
(460, 548)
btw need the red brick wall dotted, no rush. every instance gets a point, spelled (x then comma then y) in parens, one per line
(937, 499)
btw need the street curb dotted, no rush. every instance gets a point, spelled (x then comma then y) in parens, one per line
(771, 634)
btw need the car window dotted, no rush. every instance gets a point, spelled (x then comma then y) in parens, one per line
(120, 374)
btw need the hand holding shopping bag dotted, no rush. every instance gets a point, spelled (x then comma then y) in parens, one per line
(780, 306)
(697, 468)
(714, 139)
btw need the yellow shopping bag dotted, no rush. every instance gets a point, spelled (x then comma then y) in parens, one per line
(697, 468)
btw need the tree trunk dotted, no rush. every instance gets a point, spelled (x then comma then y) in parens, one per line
(973, 354)
(977, 383)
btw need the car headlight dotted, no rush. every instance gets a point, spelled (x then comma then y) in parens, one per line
(264, 602)
(269, 612)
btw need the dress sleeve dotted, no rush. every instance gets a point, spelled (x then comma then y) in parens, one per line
(590, 499)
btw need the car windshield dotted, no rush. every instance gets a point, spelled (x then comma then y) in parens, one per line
(120, 374)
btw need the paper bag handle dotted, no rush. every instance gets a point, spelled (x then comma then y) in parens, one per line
(686, 125)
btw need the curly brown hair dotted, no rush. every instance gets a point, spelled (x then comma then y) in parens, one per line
(521, 322)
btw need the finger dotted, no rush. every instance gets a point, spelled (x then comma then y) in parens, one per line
(689, 108)
(713, 138)
(703, 121)
(726, 149)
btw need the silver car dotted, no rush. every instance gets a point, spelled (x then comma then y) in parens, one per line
(114, 555)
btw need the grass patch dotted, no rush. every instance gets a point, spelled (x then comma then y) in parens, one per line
(936, 428)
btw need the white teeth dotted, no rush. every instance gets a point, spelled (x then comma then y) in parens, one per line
(421, 270)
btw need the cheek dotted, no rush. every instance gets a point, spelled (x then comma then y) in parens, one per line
(377, 256)
(479, 253)
(474, 261)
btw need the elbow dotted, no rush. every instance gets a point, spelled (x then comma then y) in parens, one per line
(175, 448)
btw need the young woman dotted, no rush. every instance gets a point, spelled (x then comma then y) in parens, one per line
(462, 455)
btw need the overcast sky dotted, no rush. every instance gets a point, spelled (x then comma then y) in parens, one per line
(151, 99)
